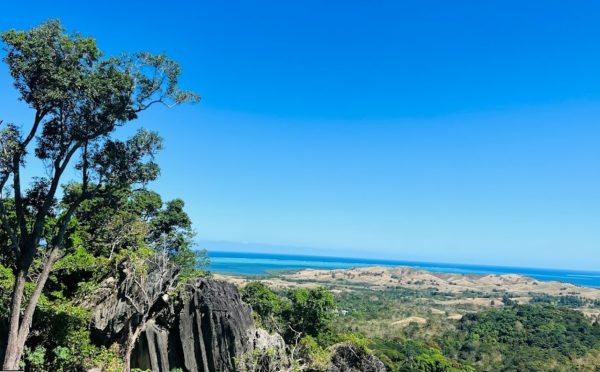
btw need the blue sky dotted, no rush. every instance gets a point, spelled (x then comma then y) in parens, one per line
(424, 130)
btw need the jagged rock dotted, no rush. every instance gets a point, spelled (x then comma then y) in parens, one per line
(111, 310)
(347, 357)
(213, 327)
(261, 339)
(266, 353)
(152, 349)
(207, 329)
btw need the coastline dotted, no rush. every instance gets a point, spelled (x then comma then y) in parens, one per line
(271, 264)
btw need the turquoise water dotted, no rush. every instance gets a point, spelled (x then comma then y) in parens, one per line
(260, 264)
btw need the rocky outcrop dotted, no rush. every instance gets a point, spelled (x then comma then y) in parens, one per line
(213, 327)
(208, 328)
(266, 353)
(347, 357)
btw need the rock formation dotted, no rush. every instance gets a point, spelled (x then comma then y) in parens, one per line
(207, 328)
(347, 357)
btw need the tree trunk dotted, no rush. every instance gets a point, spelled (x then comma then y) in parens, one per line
(12, 355)
(131, 339)
(33, 301)
(19, 327)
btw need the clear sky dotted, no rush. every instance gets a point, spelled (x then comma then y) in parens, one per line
(448, 131)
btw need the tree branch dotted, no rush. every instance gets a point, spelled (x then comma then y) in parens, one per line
(133, 303)
(39, 115)
(59, 168)
(151, 103)
(19, 207)
(63, 221)
(17, 158)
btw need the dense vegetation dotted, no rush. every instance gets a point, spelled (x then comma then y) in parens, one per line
(508, 338)
(526, 337)
(401, 354)
(294, 314)
(88, 216)
(536, 337)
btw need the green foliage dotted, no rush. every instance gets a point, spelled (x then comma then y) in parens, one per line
(526, 337)
(80, 259)
(61, 341)
(310, 311)
(259, 359)
(171, 226)
(357, 340)
(506, 300)
(566, 301)
(433, 360)
(411, 355)
(546, 327)
(50, 67)
(7, 280)
(297, 313)
(80, 98)
(365, 305)
(192, 264)
(33, 54)
(108, 360)
(313, 356)
(520, 337)
(36, 359)
(266, 304)
(110, 229)
(113, 229)
(62, 328)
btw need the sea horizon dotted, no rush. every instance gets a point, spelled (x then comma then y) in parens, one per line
(261, 264)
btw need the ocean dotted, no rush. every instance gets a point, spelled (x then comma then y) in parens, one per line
(245, 263)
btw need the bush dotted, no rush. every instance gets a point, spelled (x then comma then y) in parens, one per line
(312, 355)
(310, 311)
(265, 304)
(412, 355)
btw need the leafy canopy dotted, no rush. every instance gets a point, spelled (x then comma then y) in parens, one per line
(56, 247)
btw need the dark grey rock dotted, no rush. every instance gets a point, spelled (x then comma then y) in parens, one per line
(213, 327)
(347, 357)
(206, 329)
(152, 348)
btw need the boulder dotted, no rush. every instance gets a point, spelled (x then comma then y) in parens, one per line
(347, 357)
(206, 328)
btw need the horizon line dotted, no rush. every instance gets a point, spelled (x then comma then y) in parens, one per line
(392, 260)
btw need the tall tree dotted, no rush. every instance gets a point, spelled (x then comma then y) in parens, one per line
(79, 98)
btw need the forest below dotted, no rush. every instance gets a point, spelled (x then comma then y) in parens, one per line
(513, 337)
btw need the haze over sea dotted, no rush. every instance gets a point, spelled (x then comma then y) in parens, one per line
(248, 263)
